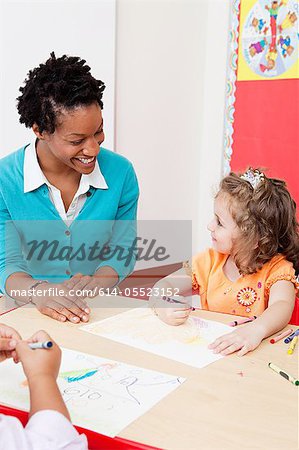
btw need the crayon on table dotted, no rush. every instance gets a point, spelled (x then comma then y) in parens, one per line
(290, 338)
(35, 345)
(234, 323)
(281, 336)
(292, 345)
(283, 374)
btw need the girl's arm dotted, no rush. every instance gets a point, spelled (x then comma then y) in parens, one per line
(249, 336)
(280, 308)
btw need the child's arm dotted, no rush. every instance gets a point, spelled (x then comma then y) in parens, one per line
(280, 308)
(248, 337)
(176, 284)
(41, 369)
(49, 425)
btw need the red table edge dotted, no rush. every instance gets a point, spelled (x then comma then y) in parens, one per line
(96, 441)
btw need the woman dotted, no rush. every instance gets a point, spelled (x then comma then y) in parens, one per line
(67, 205)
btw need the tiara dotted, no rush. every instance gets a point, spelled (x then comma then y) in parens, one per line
(253, 176)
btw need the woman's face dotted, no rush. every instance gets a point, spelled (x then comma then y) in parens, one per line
(76, 140)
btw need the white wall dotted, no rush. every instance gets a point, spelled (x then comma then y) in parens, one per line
(30, 30)
(170, 90)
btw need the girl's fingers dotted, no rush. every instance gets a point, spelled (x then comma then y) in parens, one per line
(243, 351)
(231, 349)
(181, 314)
(225, 338)
(221, 346)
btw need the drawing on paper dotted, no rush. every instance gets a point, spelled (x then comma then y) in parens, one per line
(102, 395)
(140, 328)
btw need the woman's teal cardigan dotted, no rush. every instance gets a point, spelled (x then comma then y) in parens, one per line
(34, 239)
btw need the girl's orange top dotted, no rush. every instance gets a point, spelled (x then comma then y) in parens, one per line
(248, 295)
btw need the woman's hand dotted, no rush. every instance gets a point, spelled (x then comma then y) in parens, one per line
(8, 341)
(87, 285)
(90, 286)
(39, 362)
(243, 340)
(62, 307)
(176, 314)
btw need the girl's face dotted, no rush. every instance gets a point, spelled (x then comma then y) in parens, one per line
(76, 140)
(223, 228)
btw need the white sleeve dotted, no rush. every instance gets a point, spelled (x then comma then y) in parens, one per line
(46, 430)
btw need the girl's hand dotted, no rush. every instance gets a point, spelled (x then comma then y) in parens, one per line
(62, 307)
(39, 362)
(175, 315)
(8, 341)
(243, 340)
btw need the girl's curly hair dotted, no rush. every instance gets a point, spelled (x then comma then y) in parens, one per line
(266, 217)
(59, 83)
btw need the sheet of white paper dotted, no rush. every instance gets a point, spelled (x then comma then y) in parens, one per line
(102, 395)
(140, 328)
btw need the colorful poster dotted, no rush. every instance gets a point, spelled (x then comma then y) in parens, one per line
(262, 115)
(268, 45)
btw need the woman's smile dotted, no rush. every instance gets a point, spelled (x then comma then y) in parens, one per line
(85, 162)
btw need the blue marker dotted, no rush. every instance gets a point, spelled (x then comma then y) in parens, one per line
(291, 337)
(46, 345)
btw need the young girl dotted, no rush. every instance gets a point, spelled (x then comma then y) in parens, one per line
(49, 426)
(66, 203)
(250, 270)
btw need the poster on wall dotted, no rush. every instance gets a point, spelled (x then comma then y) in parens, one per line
(268, 45)
(262, 114)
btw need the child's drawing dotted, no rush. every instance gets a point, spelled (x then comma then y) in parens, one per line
(140, 328)
(101, 395)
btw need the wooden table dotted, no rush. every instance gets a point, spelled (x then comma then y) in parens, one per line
(230, 404)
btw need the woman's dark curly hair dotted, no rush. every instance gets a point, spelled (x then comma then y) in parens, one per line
(59, 83)
(266, 217)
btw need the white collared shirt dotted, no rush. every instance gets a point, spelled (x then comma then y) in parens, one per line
(34, 178)
(46, 430)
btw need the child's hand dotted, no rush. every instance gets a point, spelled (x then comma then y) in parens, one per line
(176, 315)
(8, 341)
(242, 340)
(39, 362)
